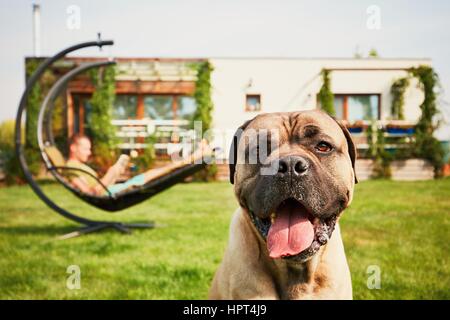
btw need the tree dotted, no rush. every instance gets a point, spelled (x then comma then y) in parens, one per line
(373, 53)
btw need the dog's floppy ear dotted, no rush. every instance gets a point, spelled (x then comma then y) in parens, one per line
(351, 146)
(232, 158)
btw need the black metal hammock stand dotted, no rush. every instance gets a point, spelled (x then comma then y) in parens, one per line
(55, 163)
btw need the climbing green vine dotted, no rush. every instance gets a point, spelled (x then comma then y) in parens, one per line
(203, 113)
(99, 126)
(426, 145)
(202, 95)
(398, 89)
(326, 97)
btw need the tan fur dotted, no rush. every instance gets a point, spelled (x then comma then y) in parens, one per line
(247, 271)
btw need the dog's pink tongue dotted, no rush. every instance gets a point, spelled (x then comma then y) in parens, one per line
(290, 233)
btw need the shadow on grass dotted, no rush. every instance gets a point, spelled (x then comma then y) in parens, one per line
(62, 230)
(40, 230)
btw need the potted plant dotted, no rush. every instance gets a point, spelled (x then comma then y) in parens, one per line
(357, 127)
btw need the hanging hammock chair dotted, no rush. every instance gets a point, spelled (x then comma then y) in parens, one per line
(55, 162)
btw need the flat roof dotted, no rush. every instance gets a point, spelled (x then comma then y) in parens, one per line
(235, 58)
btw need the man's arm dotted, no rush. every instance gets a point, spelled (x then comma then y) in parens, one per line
(111, 176)
(81, 184)
(203, 150)
(108, 179)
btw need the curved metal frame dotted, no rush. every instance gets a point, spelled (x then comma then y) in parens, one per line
(92, 225)
(48, 103)
(54, 171)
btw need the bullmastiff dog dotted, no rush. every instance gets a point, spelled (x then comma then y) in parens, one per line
(284, 240)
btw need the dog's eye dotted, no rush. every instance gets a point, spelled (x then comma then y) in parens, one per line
(323, 146)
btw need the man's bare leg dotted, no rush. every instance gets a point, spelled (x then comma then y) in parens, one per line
(202, 151)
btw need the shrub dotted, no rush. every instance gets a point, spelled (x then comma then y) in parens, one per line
(145, 160)
(32, 112)
(382, 159)
(8, 159)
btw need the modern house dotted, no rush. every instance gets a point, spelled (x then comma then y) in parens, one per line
(361, 87)
(244, 87)
(156, 95)
(151, 94)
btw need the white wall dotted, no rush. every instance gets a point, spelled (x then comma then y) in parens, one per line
(293, 84)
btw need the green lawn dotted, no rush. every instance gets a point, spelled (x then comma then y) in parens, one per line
(402, 227)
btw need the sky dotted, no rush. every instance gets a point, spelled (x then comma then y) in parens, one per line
(226, 28)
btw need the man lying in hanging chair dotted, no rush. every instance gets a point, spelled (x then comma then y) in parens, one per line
(80, 151)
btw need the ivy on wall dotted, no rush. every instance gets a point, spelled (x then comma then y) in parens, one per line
(398, 89)
(202, 95)
(426, 145)
(100, 128)
(203, 113)
(326, 97)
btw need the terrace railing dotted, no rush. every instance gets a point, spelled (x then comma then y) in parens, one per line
(398, 134)
(170, 135)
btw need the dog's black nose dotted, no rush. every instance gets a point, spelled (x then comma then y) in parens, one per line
(292, 165)
(300, 165)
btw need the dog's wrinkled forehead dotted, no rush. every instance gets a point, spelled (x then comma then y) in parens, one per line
(289, 128)
(294, 125)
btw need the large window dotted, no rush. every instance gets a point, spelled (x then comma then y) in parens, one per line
(158, 107)
(353, 107)
(81, 114)
(125, 107)
(186, 107)
(76, 122)
(164, 107)
(134, 106)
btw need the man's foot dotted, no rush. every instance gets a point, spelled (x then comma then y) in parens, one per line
(203, 149)
(122, 164)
